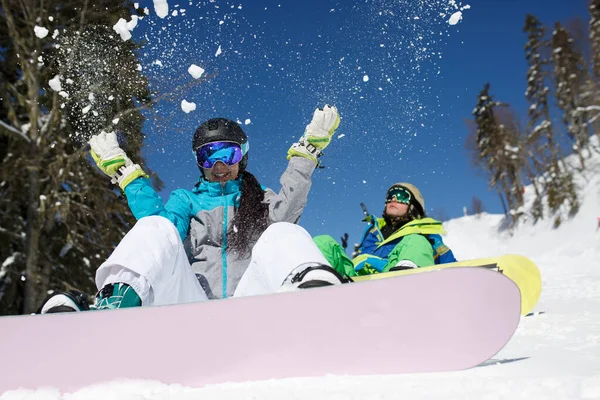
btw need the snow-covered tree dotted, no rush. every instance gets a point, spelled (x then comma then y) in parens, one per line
(595, 36)
(499, 146)
(64, 75)
(540, 123)
(477, 206)
(570, 76)
(542, 147)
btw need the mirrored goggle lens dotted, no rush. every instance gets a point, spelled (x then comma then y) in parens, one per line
(227, 152)
(400, 194)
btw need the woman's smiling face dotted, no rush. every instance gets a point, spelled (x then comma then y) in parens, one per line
(222, 172)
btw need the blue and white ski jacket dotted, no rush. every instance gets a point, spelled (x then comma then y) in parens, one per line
(203, 217)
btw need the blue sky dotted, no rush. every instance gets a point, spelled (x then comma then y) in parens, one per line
(280, 60)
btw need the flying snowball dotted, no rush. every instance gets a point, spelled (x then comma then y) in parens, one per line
(55, 83)
(161, 7)
(187, 106)
(455, 18)
(40, 32)
(195, 71)
(124, 28)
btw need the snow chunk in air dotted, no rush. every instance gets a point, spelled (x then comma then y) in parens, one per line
(55, 83)
(161, 7)
(124, 28)
(187, 106)
(40, 31)
(195, 71)
(455, 18)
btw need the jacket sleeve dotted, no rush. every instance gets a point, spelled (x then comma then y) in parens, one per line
(288, 204)
(144, 201)
(415, 248)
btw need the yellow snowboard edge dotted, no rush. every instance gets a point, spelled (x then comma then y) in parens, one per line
(520, 269)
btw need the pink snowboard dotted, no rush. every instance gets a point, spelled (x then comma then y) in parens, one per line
(444, 320)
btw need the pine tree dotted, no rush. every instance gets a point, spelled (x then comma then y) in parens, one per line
(499, 152)
(594, 85)
(570, 76)
(562, 190)
(60, 216)
(540, 124)
(543, 149)
(594, 30)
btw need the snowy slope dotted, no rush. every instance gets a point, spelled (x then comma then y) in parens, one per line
(554, 355)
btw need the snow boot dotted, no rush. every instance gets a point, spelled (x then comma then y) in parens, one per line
(311, 275)
(70, 301)
(116, 295)
(404, 265)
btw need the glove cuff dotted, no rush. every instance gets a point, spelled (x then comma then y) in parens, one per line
(306, 150)
(110, 166)
(127, 174)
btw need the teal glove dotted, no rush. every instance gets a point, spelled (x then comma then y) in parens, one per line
(113, 161)
(317, 134)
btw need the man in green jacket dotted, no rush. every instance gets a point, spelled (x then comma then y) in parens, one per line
(403, 238)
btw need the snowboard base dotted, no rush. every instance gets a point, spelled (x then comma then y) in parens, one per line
(444, 320)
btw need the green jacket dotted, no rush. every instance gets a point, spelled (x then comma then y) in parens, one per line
(377, 254)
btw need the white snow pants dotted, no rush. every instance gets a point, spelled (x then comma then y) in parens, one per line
(152, 260)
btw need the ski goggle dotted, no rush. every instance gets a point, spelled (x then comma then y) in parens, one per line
(399, 193)
(229, 153)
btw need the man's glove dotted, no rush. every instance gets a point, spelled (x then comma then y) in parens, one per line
(113, 161)
(317, 134)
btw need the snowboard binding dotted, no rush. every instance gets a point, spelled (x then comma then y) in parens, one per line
(311, 275)
(69, 301)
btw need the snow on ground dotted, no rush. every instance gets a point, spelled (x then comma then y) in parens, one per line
(554, 355)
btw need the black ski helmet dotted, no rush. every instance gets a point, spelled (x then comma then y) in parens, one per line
(220, 129)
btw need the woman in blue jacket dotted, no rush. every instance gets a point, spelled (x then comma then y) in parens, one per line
(220, 221)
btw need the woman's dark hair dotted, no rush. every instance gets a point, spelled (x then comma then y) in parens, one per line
(251, 218)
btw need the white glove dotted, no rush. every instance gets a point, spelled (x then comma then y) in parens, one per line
(112, 160)
(324, 123)
(317, 135)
